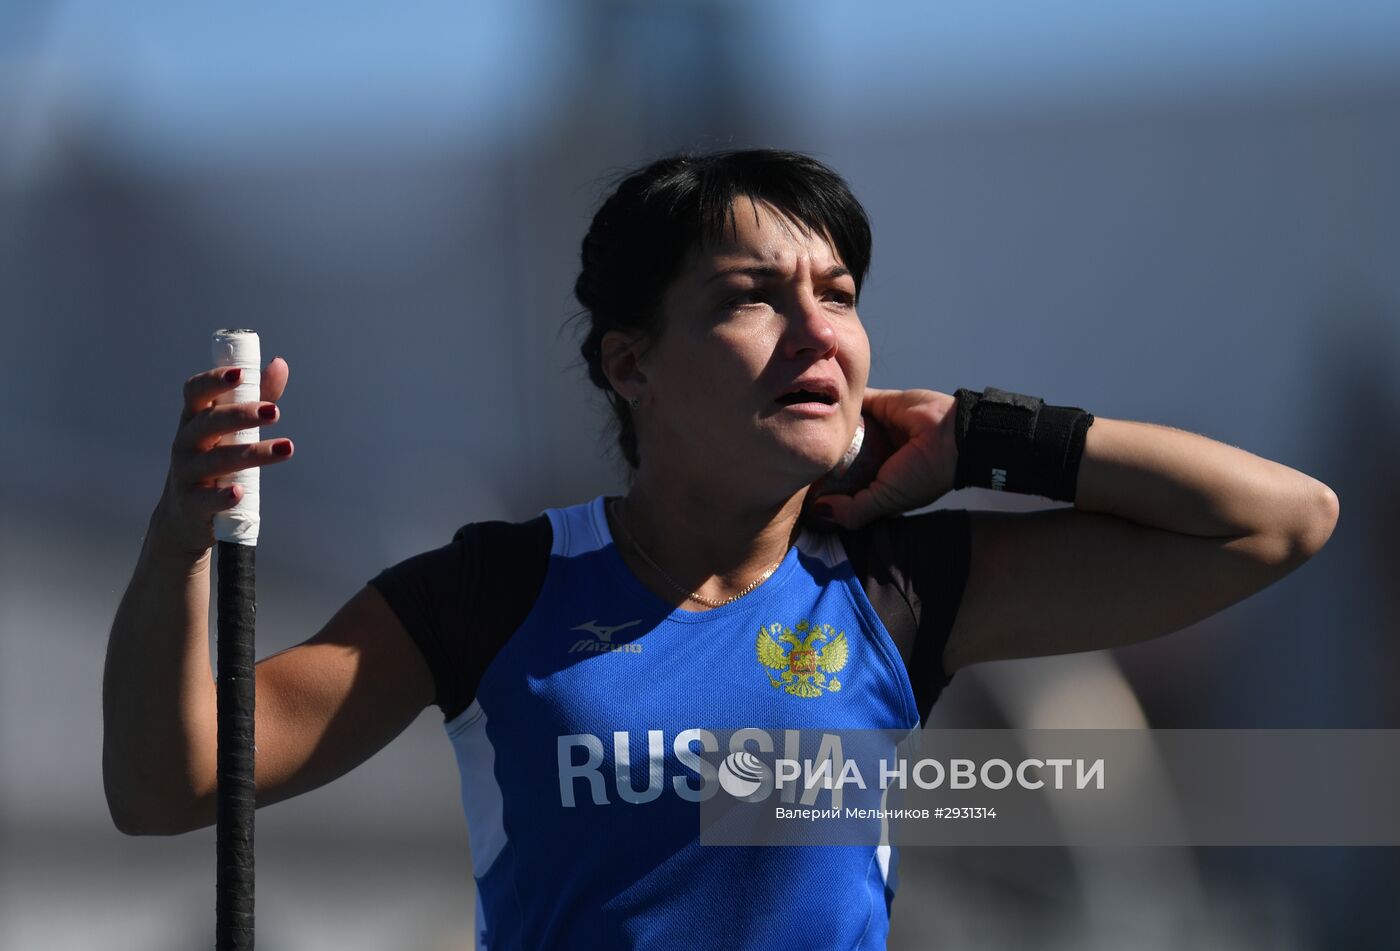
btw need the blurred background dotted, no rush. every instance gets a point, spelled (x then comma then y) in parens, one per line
(1185, 213)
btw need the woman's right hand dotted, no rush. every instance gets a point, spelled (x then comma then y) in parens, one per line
(184, 517)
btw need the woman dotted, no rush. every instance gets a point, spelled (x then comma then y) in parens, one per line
(722, 293)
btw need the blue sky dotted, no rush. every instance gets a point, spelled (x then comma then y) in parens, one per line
(191, 78)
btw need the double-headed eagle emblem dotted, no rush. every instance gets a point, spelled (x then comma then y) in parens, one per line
(804, 667)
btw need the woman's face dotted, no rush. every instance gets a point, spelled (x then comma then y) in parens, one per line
(768, 308)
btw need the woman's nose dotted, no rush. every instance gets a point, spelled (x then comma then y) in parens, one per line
(808, 326)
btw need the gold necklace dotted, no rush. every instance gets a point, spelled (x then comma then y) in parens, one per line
(690, 595)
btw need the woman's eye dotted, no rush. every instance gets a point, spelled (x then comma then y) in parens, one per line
(752, 298)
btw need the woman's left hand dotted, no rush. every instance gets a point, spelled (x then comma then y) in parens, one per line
(920, 423)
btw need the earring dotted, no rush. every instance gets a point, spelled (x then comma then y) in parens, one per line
(634, 402)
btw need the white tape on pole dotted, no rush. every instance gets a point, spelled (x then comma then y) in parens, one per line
(240, 348)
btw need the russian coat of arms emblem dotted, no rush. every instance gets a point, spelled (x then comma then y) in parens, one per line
(817, 650)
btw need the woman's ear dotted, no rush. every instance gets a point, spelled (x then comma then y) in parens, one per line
(621, 361)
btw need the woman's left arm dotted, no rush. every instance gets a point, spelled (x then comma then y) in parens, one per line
(1168, 527)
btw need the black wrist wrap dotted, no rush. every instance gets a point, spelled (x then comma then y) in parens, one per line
(1016, 443)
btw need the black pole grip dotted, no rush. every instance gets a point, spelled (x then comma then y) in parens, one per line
(237, 795)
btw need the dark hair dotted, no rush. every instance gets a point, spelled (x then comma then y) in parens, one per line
(655, 215)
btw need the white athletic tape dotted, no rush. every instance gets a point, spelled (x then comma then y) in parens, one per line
(240, 348)
(852, 451)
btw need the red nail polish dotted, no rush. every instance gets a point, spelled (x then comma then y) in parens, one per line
(267, 412)
(231, 376)
(282, 448)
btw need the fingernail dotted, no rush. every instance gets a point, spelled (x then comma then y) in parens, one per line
(231, 376)
(268, 411)
(282, 448)
(229, 492)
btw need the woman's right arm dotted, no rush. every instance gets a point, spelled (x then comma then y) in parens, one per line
(323, 706)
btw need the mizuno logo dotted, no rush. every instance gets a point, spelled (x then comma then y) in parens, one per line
(601, 632)
(601, 641)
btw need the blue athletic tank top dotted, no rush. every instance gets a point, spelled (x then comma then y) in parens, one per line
(581, 803)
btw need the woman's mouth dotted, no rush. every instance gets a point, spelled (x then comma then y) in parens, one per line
(808, 402)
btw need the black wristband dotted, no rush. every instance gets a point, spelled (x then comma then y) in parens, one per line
(1016, 443)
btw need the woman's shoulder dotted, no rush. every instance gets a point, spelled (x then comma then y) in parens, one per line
(899, 538)
(498, 532)
(461, 601)
(921, 558)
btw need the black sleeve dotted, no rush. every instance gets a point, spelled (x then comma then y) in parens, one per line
(438, 596)
(914, 569)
